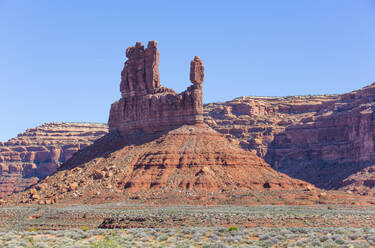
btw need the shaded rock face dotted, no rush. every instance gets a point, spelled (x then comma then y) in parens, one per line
(148, 107)
(39, 151)
(319, 139)
(362, 181)
(333, 144)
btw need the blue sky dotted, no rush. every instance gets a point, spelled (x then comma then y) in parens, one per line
(61, 60)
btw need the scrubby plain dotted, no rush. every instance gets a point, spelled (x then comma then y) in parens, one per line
(128, 225)
(194, 237)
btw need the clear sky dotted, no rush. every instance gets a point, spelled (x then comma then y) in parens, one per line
(61, 60)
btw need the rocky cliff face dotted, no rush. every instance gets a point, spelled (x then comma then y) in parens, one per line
(320, 139)
(39, 151)
(148, 107)
(333, 144)
(252, 122)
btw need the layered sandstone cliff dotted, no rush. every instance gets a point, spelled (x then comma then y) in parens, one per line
(327, 140)
(39, 151)
(252, 122)
(333, 144)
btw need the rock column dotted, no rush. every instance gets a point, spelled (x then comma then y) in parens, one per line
(141, 71)
(148, 107)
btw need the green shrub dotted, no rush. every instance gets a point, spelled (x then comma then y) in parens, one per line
(109, 241)
(84, 228)
(233, 229)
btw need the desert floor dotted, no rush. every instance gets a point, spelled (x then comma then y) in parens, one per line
(129, 225)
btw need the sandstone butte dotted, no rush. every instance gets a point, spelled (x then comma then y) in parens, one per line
(159, 150)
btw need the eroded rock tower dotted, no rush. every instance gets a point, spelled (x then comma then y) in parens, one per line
(148, 107)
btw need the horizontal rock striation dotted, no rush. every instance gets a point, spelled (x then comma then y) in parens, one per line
(252, 122)
(39, 151)
(148, 107)
(328, 147)
(190, 161)
(320, 139)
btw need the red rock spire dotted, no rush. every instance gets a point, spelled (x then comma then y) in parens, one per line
(141, 71)
(196, 71)
(148, 107)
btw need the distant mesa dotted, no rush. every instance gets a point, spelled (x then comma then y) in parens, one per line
(40, 151)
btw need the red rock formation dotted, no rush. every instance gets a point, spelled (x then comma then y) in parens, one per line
(147, 107)
(141, 71)
(252, 122)
(362, 182)
(157, 146)
(39, 151)
(192, 160)
(196, 71)
(331, 145)
(325, 140)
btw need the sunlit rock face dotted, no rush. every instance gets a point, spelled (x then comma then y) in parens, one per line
(327, 140)
(148, 107)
